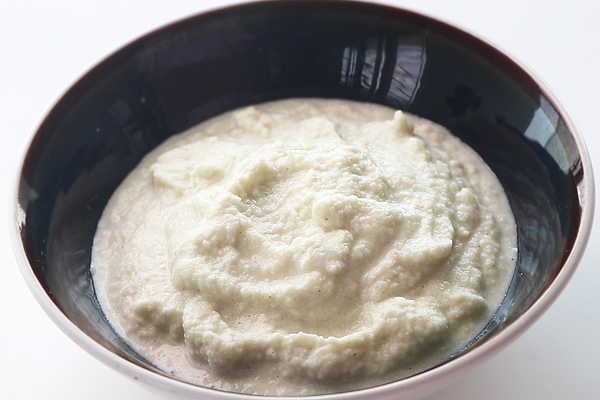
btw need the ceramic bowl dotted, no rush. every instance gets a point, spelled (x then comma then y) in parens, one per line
(183, 73)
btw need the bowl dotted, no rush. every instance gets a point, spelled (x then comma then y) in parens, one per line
(186, 72)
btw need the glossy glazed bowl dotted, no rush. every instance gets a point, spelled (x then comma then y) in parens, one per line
(184, 73)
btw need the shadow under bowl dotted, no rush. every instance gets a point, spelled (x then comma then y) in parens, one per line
(184, 73)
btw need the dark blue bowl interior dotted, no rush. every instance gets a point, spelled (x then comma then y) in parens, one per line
(182, 74)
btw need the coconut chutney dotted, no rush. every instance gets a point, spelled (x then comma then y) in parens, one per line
(304, 246)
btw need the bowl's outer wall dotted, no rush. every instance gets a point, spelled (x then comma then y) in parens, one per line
(182, 74)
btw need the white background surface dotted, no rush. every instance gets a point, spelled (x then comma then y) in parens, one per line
(46, 45)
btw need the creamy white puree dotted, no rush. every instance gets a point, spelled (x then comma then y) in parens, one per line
(303, 247)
